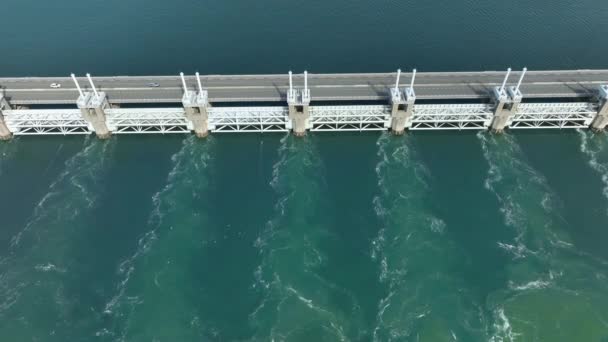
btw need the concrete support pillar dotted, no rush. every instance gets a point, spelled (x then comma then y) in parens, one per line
(402, 104)
(93, 108)
(199, 120)
(402, 110)
(506, 102)
(502, 110)
(300, 118)
(298, 101)
(506, 107)
(5, 133)
(601, 119)
(196, 106)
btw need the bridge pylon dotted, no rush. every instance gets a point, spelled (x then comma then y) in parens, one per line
(506, 101)
(92, 106)
(196, 105)
(298, 101)
(402, 105)
(601, 118)
(5, 133)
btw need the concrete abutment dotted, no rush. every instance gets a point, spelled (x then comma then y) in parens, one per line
(601, 119)
(92, 107)
(402, 105)
(298, 102)
(5, 133)
(299, 115)
(402, 110)
(196, 106)
(196, 109)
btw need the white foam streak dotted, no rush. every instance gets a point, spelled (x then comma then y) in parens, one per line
(532, 285)
(518, 251)
(285, 240)
(437, 225)
(82, 168)
(521, 181)
(384, 304)
(51, 223)
(407, 226)
(186, 154)
(502, 326)
(49, 267)
(593, 153)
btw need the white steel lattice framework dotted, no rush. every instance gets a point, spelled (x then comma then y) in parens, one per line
(553, 115)
(350, 118)
(147, 120)
(46, 121)
(452, 116)
(248, 119)
(275, 119)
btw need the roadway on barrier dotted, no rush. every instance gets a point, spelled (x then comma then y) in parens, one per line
(324, 87)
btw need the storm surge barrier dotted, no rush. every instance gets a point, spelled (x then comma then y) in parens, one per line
(304, 102)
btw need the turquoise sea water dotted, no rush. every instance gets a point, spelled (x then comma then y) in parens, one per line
(432, 236)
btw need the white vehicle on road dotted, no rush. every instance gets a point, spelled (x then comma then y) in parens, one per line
(55, 85)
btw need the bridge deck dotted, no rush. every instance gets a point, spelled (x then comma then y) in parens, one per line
(324, 87)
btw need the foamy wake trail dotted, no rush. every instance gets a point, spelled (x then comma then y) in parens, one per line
(502, 329)
(425, 300)
(71, 192)
(151, 297)
(595, 147)
(544, 260)
(527, 202)
(33, 276)
(295, 298)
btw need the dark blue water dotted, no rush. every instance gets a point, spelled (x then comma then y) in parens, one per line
(114, 37)
(438, 236)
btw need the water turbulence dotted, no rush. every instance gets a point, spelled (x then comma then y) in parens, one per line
(296, 301)
(37, 301)
(157, 297)
(595, 146)
(552, 286)
(426, 297)
(8, 149)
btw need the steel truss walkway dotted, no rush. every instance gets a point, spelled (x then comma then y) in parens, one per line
(349, 118)
(461, 116)
(248, 119)
(47, 121)
(553, 115)
(147, 120)
(322, 118)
